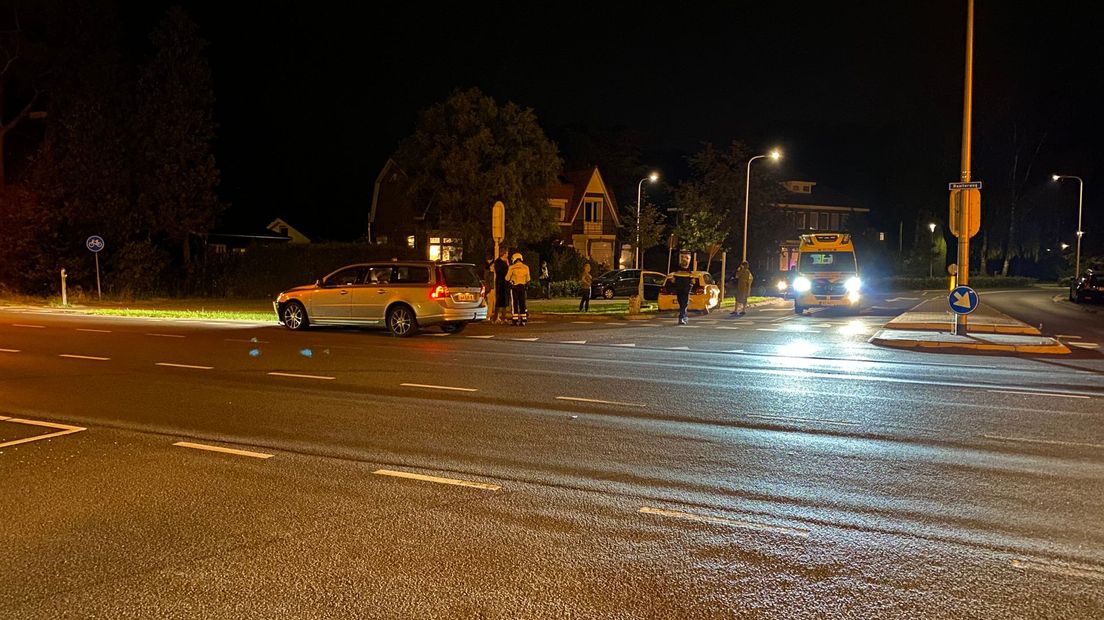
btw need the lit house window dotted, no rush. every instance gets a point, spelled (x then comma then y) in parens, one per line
(445, 249)
(410, 241)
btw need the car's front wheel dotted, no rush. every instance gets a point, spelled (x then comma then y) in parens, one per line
(453, 328)
(401, 321)
(608, 293)
(295, 316)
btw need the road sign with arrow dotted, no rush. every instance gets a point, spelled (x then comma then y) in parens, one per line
(963, 300)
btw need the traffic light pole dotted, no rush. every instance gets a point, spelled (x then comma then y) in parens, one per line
(967, 118)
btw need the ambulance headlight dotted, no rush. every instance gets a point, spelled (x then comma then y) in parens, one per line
(852, 285)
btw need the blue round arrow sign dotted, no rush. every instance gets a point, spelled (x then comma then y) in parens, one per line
(963, 300)
(95, 243)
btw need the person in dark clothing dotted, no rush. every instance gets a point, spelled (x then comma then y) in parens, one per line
(682, 284)
(502, 288)
(586, 282)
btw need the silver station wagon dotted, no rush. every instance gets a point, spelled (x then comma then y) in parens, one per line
(399, 295)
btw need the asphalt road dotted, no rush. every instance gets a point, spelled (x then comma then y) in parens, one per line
(1077, 324)
(769, 466)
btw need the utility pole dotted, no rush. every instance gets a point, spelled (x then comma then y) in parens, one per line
(967, 126)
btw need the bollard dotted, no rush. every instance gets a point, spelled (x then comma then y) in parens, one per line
(64, 295)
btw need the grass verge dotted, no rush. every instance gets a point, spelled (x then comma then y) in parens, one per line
(239, 315)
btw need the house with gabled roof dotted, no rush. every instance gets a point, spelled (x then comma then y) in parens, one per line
(586, 211)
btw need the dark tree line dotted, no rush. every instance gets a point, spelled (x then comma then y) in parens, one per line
(104, 140)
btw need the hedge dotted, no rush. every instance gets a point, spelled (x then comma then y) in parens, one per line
(908, 283)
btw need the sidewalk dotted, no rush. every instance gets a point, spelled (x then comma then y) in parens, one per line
(929, 325)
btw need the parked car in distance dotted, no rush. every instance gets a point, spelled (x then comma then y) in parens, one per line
(1089, 287)
(625, 283)
(402, 296)
(704, 294)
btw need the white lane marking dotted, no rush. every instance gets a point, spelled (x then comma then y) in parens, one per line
(65, 429)
(779, 529)
(691, 326)
(9, 350)
(439, 387)
(165, 335)
(628, 344)
(573, 342)
(774, 309)
(767, 329)
(1048, 442)
(171, 365)
(735, 351)
(526, 339)
(1068, 336)
(904, 299)
(94, 331)
(728, 327)
(614, 323)
(298, 376)
(581, 322)
(678, 348)
(440, 335)
(28, 326)
(795, 419)
(437, 479)
(599, 402)
(482, 337)
(252, 341)
(84, 357)
(1085, 345)
(200, 446)
(1054, 394)
(1067, 569)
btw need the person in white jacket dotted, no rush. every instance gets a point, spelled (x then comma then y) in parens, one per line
(518, 277)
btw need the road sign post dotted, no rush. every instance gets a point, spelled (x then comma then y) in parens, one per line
(964, 202)
(963, 300)
(95, 244)
(498, 224)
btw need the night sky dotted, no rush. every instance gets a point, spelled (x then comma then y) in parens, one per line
(864, 98)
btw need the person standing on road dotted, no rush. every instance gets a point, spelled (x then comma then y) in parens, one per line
(545, 280)
(488, 277)
(518, 277)
(682, 284)
(744, 279)
(587, 281)
(502, 289)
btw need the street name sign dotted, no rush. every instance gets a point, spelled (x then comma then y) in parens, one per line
(970, 185)
(963, 300)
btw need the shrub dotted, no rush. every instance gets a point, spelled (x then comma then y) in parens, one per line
(908, 283)
(566, 288)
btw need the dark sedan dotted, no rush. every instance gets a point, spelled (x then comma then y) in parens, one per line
(1089, 287)
(625, 283)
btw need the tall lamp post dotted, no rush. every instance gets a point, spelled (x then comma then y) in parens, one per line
(775, 155)
(931, 250)
(1080, 195)
(653, 177)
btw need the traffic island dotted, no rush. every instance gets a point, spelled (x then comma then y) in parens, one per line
(1008, 343)
(934, 315)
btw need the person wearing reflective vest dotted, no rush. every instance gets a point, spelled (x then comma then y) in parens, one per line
(683, 282)
(518, 278)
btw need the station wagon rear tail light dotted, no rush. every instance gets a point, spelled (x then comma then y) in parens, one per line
(439, 292)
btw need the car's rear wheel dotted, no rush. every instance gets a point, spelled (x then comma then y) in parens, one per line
(454, 328)
(608, 293)
(401, 321)
(295, 316)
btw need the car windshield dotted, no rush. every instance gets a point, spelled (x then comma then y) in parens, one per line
(460, 275)
(814, 262)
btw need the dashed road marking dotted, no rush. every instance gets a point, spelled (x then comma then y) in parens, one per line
(526, 339)
(437, 479)
(249, 341)
(171, 365)
(299, 376)
(1068, 569)
(9, 350)
(778, 529)
(65, 429)
(767, 329)
(735, 351)
(1068, 336)
(615, 323)
(1054, 394)
(440, 335)
(1085, 345)
(166, 335)
(573, 342)
(627, 344)
(1048, 442)
(482, 337)
(438, 387)
(28, 326)
(599, 402)
(582, 322)
(796, 419)
(201, 446)
(678, 348)
(84, 357)
(94, 331)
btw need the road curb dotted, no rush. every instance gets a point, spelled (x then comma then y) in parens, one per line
(1057, 348)
(985, 328)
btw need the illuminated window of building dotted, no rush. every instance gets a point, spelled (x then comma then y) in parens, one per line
(410, 241)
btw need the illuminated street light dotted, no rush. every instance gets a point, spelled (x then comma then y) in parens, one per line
(653, 177)
(931, 250)
(1080, 196)
(775, 155)
(1064, 246)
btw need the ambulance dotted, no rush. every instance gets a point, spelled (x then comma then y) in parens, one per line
(827, 272)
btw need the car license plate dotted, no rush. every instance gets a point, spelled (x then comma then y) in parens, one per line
(465, 297)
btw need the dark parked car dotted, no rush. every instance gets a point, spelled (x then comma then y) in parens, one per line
(625, 283)
(1089, 287)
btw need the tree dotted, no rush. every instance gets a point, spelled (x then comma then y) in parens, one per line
(467, 152)
(652, 225)
(176, 172)
(12, 58)
(700, 224)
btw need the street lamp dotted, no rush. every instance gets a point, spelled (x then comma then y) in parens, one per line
(1080, 196)
(774, 155)
(931, 249)
(653, 177)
